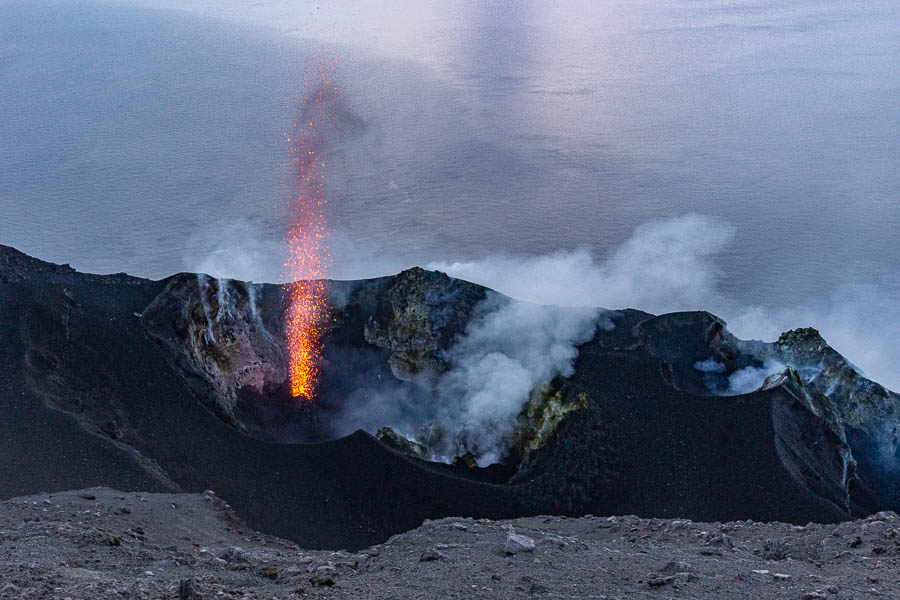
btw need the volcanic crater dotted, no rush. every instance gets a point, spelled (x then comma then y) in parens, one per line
(181, 385)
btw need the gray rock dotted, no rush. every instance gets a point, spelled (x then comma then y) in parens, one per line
(660, 581)
(323, 576)
(432, 554)
(233, 555)
(774, 550)
(720, 540)
(187, 590)
(516, 543)
(678, 566)
(292, 573)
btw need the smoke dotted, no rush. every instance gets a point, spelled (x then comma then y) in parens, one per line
(663, 266)
(742, 381)
(859, 320)
(241, 249)
(203, 284)
(710, 365)
(671, 265)
(748, 379)
(500, 360)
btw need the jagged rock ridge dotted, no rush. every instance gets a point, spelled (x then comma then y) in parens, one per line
(174, 385)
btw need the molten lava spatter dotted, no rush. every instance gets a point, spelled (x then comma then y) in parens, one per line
(308, 261)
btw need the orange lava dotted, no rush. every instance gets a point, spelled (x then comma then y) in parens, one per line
(308, 257)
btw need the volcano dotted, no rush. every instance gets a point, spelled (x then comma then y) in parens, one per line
(182, 385)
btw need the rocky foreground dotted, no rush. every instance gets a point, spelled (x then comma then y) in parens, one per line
(102, 543)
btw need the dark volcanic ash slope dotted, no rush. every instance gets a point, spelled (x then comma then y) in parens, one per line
(102, 543)
(179, 385)
(88, 397)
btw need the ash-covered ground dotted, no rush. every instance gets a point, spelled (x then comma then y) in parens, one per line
(102, 543)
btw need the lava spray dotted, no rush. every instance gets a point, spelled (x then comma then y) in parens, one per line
(308, 259)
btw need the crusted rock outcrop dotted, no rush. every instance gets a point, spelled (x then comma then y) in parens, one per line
(424, 312)
(212, 330)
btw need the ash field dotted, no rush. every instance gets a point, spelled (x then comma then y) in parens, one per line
(449, 421)
(101, 543)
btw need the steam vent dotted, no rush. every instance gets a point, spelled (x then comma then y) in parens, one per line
(436, 397)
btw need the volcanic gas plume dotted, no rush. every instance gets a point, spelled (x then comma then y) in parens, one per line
(308, 256)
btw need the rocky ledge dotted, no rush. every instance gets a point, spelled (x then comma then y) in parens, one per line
(102, 543)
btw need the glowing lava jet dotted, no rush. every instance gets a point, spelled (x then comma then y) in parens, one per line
(308, 257)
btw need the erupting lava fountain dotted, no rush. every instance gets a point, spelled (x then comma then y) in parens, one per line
(308, 257)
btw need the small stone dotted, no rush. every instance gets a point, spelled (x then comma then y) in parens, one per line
(814, 596)
(187, 589)
(720, 540)
(88, 496)
(320, 566)
(660, 581)
(291, 573)
(875, 528)
(516, 543)
(677, 566)
(432, 554)
(323, 576)
(233, 555)
(268, 571)
(774, 550)
(780, 576)
(883, 516)
(761, 571)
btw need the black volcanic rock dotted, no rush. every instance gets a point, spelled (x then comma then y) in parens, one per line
(424, 312)
(179, 385)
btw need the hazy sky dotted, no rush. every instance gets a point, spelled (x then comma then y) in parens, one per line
(144, 137)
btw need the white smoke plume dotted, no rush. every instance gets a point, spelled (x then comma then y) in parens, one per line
(748, 379)
(203, 284)
(500, 360)
(670, 265)
(742, 381)
(494, 366)
(664, 266)
(240, 249)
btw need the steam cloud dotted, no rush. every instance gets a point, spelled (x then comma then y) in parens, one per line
(500, 360)
(664, 266)
(670, 265)
(239, 249)
(494, 367)
(742, 381)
